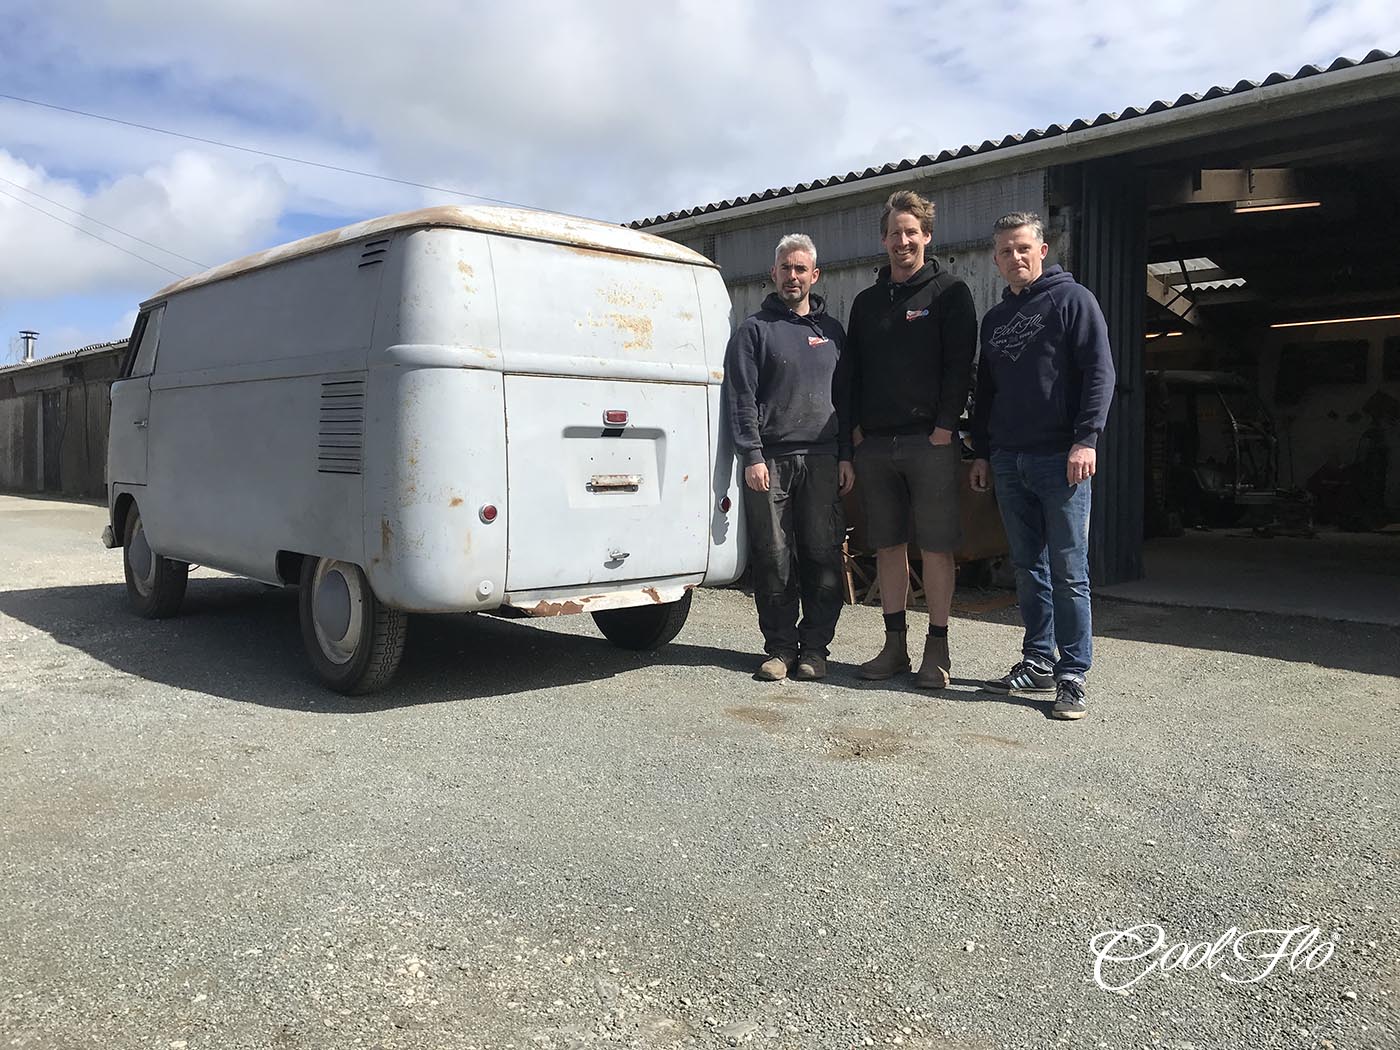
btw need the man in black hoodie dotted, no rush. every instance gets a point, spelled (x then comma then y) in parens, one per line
(904, 379)
(1044, 385)
(778, 379)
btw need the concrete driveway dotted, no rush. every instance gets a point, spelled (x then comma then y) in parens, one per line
(535, 840)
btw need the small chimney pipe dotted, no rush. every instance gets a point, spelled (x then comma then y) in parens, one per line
(28, 338)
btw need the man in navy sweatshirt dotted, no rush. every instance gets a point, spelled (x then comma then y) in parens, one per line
(1044, 385)
(778, 375)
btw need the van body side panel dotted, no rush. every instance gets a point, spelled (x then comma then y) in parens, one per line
(257, 388)
(438, 456)
(436, 448)
(729, 545)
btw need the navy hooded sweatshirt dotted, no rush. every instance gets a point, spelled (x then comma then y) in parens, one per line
(778, 375)
(1045, 376)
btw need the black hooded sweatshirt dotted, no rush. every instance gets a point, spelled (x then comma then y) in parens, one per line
(908, 361)
(778, 378)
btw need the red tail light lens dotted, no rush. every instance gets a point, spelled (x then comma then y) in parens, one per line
(488, 513)
(615, 417)
(725, 504)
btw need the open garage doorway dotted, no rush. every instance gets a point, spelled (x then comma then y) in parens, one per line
(1272, 368)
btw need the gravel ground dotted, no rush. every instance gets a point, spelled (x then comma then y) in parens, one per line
(536, 840)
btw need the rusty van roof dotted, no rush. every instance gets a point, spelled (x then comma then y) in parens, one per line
(510, 222)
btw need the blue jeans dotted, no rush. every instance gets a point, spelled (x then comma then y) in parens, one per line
(1047, 529)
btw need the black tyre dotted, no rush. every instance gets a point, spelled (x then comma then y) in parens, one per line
(643, 626)
(354, 641)
(155, 585)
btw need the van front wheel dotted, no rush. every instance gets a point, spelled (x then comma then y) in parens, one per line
(354, 641)
(155, 585)
(644, 626)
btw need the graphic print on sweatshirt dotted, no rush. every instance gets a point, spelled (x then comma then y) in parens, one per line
(1012, 338)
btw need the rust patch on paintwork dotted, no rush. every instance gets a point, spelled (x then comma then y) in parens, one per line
(386, 536)
(685, 478)
(456, 501)
(547, 608)
(640, 328)
(653, 594)
(465, 269)
(717, 375)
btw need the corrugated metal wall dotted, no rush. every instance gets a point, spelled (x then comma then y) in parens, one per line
(53, 425)
(1109, 256)
(850, 233)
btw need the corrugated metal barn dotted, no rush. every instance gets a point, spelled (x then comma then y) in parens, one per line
(1203, 225)
(53, 421)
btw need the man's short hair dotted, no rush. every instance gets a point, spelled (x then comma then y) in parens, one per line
(795, 242)
(1015, 220)
(907, 200)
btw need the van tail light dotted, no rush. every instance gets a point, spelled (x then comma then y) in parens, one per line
(724, 505)
(488, 512)
(615, 417)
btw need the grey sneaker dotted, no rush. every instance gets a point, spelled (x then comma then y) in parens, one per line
(810, 666)
(1069, 699)
(775, 668)
(1022, 678)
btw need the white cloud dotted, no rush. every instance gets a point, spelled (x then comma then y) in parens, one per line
(197, 206)
(617, 109)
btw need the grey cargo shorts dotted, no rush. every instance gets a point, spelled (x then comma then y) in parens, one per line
(904, 476)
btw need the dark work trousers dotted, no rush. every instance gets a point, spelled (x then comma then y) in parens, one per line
(796, 529)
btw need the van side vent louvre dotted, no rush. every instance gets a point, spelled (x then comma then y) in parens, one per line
(374, 252)
(341, 440)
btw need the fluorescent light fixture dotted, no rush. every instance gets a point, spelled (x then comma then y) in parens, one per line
(1281, 204)
(1337, 320)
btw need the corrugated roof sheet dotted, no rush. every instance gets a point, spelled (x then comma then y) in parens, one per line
(1034, 135)
(40, 362)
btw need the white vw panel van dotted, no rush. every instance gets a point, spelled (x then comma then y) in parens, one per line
(448, 410)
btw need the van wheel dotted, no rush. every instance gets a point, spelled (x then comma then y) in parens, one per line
(155, 585)
(643, 626)
(355, 641)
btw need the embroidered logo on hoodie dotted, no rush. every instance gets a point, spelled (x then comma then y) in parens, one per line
(1012, 338)
(914, 315)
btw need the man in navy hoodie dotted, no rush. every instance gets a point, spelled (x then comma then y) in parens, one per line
(778, 375)
(1044, 385)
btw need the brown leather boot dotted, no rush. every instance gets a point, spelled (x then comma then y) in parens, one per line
(936, 670)
(893, 658)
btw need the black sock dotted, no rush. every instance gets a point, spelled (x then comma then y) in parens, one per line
(896, 621)
(934, 631)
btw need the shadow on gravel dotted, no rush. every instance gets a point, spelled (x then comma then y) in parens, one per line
(1364, 648)
(242, 641)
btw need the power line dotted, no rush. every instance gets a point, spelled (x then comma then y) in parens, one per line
(104, 240)
(99, 222)
(263, 153)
